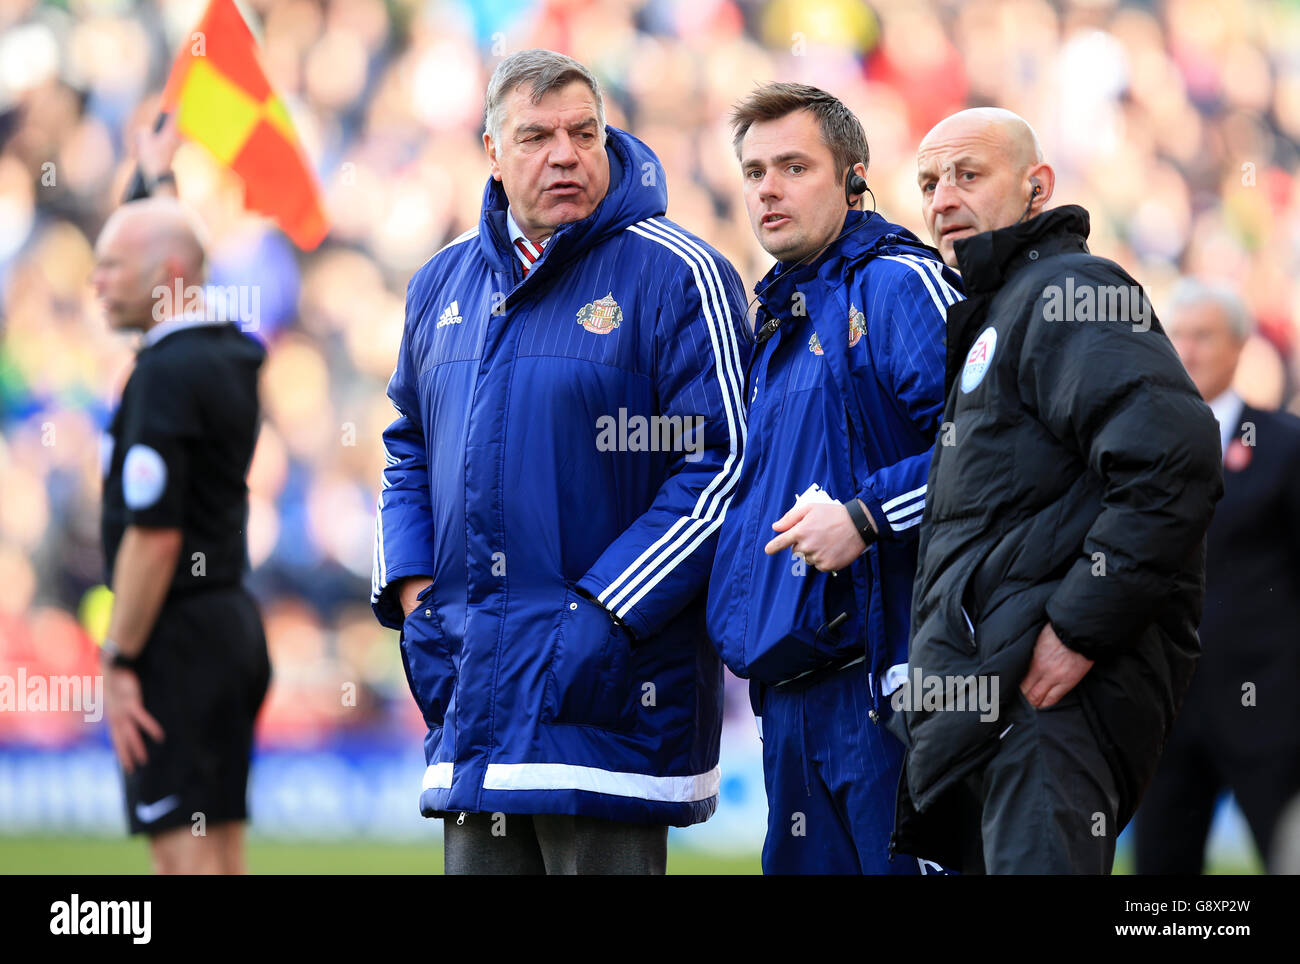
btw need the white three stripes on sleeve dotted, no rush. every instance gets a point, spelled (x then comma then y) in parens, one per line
(379, 571)
(682, 538)
(904, 511)
(931, 275)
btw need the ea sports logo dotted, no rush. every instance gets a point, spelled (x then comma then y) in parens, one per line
(978, 360)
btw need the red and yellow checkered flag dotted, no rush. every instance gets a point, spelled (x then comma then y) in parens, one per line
(222, 100)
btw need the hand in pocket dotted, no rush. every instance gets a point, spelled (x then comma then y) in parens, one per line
(430, 672)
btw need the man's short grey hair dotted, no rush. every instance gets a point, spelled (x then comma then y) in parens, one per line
(1189, 292)
(541, 71)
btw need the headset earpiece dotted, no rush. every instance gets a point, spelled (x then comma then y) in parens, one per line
(854, 183)
(1033, 195)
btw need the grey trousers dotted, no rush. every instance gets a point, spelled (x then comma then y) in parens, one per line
(1047, 802)
(500, 843)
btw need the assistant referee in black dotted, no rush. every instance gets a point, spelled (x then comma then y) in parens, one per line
(185, 660)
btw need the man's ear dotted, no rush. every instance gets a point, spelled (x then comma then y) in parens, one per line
(860, 170)
(1043, 177)
(491, 150)
(169, 268)
(160, 284)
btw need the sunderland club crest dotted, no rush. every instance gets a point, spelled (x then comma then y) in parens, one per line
(857, 325)
(601, 317)
(857, 328)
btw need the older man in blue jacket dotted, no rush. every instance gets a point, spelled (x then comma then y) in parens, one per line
(569, 437)
(811, 584)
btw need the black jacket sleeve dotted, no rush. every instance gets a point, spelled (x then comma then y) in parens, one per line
(1116, 393)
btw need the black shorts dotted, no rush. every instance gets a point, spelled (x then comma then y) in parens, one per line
(203, 676)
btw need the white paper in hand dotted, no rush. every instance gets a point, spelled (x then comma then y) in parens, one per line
(813, 495)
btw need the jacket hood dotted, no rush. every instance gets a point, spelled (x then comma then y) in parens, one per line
(864, 234)
(986, 260)
(638, 189)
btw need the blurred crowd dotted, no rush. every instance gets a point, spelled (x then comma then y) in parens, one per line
(1177, 124)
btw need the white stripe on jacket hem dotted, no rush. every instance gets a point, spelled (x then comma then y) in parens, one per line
(565, 776)
(437, 777)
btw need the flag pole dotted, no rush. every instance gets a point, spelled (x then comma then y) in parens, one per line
(139, 186)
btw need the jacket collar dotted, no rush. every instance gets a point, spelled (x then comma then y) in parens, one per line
(516, 233)
(177, 323)
(988, 260)
(863, 234)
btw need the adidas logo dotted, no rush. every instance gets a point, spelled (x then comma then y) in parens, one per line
(450, 316)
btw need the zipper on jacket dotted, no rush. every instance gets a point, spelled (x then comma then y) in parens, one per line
(873, 714)
(899, 789)
(460, 821)
(873, 687)
(893, 831)
(970, 628)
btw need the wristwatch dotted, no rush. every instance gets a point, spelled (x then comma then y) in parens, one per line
(111, 653)
(860, 521)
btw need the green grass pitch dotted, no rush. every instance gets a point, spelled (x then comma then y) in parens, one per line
(99, 855)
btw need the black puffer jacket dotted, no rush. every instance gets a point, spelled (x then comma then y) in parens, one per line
(1077, 476)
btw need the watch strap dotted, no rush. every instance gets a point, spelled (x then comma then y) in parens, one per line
(860, 521)
(112, 654)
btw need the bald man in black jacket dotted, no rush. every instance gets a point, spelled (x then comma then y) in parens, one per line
(1062, 548)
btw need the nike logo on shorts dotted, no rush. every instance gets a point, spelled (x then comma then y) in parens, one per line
(149, 812)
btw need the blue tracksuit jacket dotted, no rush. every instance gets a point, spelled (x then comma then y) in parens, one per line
(532, 469)
(848, 393)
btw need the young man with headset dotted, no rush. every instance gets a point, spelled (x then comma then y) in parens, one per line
(811, 584)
